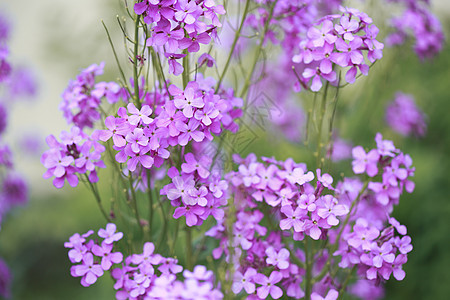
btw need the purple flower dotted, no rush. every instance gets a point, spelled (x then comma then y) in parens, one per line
(189, 101)
(362, 235)
(244, 281)
(175, 67)
(279, 259)
(350, 53)
(332, 295)
(329, 209)
(207, 113)
(268, 285)
(187, 12)
(189, 131)
(382, 254)
(384, 192)
(192, 43)
(293, 218)
(192, 214)
(139, 116)
(170, 38)
(14, 191)
(207, 59)
(182, 186)
(320, 36)
(140, 157)
(316, 74)
(109, 234)
(347, 27)
(89, 270)
(136, 139)
(404, 117)
(193, 165)
(108, 258)
(147, 257)
(365, 162)
(385, 147)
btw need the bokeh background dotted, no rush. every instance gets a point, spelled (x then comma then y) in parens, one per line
(58, 38)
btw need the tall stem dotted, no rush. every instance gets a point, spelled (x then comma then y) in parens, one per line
(233, 46)
(189, 262)
(308, 278)
(97, 198)
(137, 101)
(134, 202)
(258, 53)
(319, 134)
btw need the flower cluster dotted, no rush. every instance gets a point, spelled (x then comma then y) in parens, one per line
(352, 217)
(284, 190)
(196, 193)
(394, 168)
(142, 136)
(13, 192)
(419, 23)
(404, 117)
(179, 24)
(16, 83)
(91, 257)
(82, 97)
(76, 153)
(152, 276)
(369, 241)
(341, 40)
(376, 254)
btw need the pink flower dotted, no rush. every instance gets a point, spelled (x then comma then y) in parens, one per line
(365, 162)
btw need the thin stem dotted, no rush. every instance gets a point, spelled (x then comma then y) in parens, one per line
(233, 46)
(150, 199)
(134, 202)
(189, 258)
(137, 101)
(349, 214)
(292, 255)
(175, 236)
(333, 114)
(308, 278)
(186, 71)
(97, 198)
(319, 135)
(347, 279)
(115, 56)
(258, 52)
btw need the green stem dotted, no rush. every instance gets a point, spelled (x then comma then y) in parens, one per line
(258, 53)
(348, 216)
(346, 281)
(189, 258)
(233, 46)
(137, 101)
(163, 234)
(319, 135)
(333, 114)
(292, 255)
(150, 199)
(98, 199)
(116, 58)
(186, 70)
(308, 277)
(175, 236)
(134, 202)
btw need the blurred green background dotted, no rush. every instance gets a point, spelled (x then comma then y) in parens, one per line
(31, 239)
